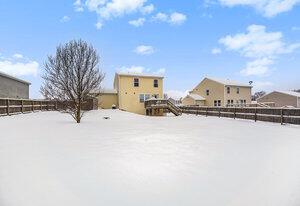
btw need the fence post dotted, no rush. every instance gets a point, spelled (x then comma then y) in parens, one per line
(206, 111)
(7, 106)
(32, 106)
(255, 116)
(41, 105)
(281, 116)
(22, 106)
(219, 112)
(56, 105)
(234, 112)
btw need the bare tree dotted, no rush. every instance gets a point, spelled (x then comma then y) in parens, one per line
(258, 95)
(71, 74)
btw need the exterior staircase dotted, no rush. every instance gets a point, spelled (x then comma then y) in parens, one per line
(162, 105)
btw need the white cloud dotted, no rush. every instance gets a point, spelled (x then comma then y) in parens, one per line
(144, 50)
(176, 94)
(268, 8)
(18, 56)
(161, 71)
(133, 69)
(216, 51)
(258, 67)
(18, 66)
(141, 69)
(98, 25)
(147, 9)
(78, 6)
(259, 45)
(65, 19)
(108, 9)
(138, 22)
(177, 18)
(174, 18)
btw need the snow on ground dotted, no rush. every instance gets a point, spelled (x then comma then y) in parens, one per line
(47, 159)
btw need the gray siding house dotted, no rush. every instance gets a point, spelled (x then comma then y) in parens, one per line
(12, 87)
(282, 98)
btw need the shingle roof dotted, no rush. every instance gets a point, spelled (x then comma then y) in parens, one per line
(139, 74)
(292, 93)
(196, 96)
(228, 82)
(14, 78)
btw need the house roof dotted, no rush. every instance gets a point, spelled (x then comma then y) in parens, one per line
(292, 93)
(196, 97)
(228, 82)
(104, 91)
(139, 74)
(14, 78)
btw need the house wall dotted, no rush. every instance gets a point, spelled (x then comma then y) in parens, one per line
(245, 94)
(216, 91)
(188, 101)
(10, 88)
(105, 101)
(128, 95)
(279, 99)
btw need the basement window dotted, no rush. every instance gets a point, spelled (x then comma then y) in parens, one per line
(136, 82)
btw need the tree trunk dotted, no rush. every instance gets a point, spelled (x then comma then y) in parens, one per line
(78, 114)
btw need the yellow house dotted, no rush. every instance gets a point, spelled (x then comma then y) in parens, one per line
(130, 92)
(217, 92)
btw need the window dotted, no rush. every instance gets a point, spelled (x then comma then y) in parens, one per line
(238, 90)
(207, 92)
(142, 98)
(228, 90)
(217, 103)
(155, 83)
(147, 96)
(136, 82)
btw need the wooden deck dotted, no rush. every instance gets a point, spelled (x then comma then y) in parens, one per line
(156, 107)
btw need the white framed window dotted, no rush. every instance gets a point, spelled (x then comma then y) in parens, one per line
(228, 90)
(217, 103)
(207, 92)
(155, 83)
(136, 82)
(144, 97)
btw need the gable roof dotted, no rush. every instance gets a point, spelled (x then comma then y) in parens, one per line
(196, 97)
(138, 75)
(14, 78)
(292, 93)
(228, 82)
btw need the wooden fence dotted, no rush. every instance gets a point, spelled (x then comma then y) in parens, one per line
(19, 106)
(279, 115)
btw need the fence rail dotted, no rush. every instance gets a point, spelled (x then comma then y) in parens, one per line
(279, 115)
(19, 106)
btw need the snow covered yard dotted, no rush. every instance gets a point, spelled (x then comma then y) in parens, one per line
(47, 159)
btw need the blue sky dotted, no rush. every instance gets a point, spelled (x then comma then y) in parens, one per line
(257, 40)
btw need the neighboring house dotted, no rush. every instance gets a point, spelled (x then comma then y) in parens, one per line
(130, 92)
(193, 99)
(281, 98)
(12, 87)
(107, 98)
(175, 101)
(217, 92)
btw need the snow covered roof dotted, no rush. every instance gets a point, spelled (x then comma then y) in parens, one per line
(139, 74)
(228, 82)
(105, 91)
(196, 97)
(14, 78)
(292, 93)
